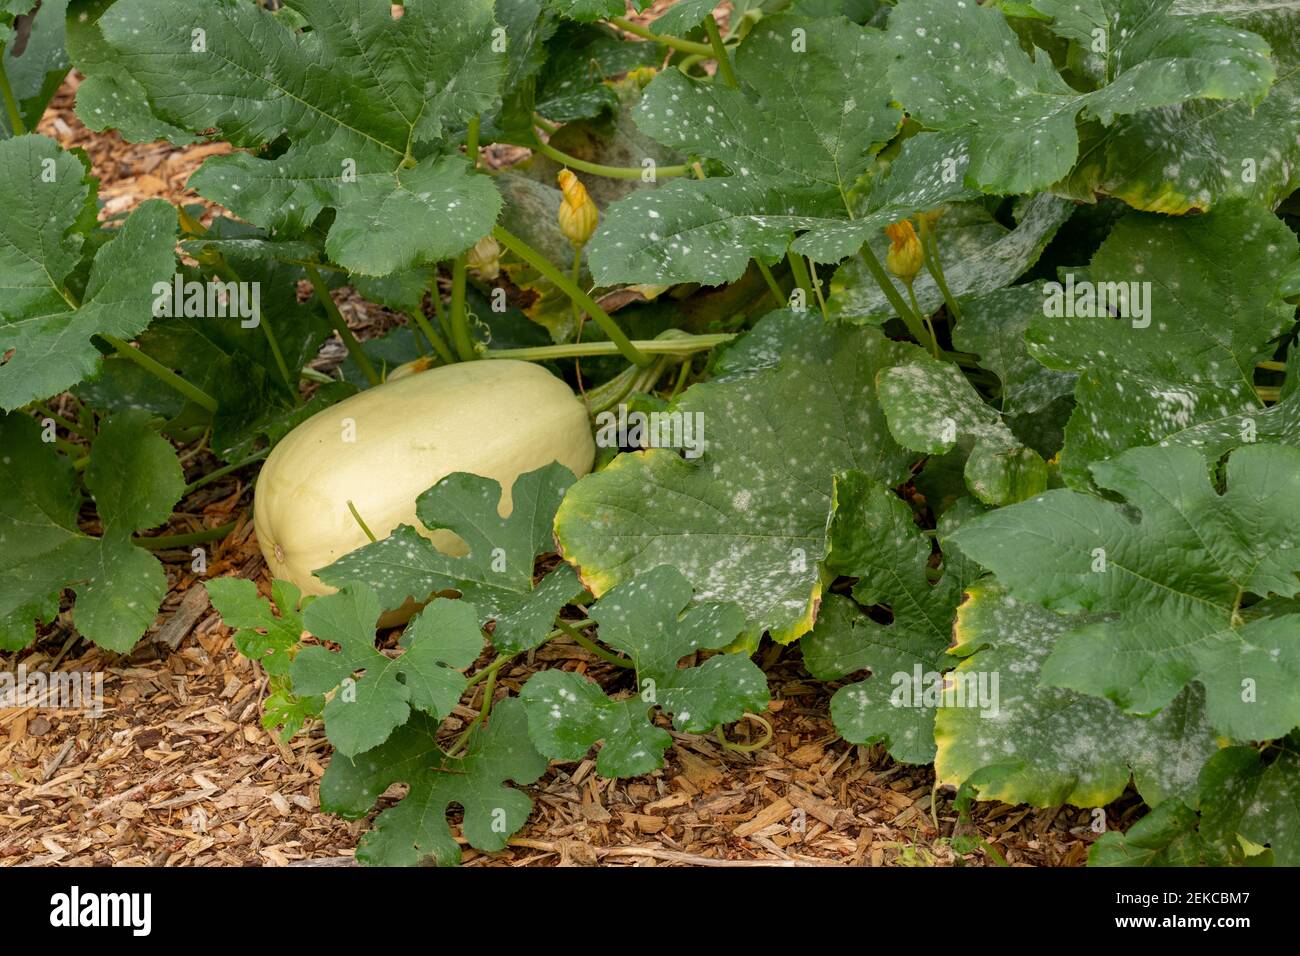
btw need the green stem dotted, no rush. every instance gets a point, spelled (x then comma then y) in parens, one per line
(609, 172)
(770, 279)
(575, 294)
(590, 646)
(311, 375)
(686, 46)
(168, 542)
(930, 248)
(489, 689)
(340, 326)
(682, 375)
(460, 333)
(929, 326)
(686, 345)
(223, 269)
(576, 276)
(800, 272)
(422, 321)
(1272, 366)
(62, 422)
(220, 473)
(816, 282)
(356, 515)
(439, 307)
(746, 748)
(904, 311)
(720, 52)
(161, 372)
(11, 104)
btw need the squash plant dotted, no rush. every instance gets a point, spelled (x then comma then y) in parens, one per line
(965, 332)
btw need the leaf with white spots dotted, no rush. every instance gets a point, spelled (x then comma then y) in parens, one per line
(1046, 745)
(796, 137)
(416, 829)
(652, 621)
(1173, 577)
(364, 101)
(979, 255)
(1249, 804)
(496, 576)
(425, 677)
(745, 521)
(993, 327)
(932, 408)
(1190, 306)
(874, 538)
(959, 67)
(135, 479)
(1195, 155)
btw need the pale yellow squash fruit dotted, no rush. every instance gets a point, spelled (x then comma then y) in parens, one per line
(384, 447)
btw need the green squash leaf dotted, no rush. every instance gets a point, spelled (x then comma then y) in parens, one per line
(1164, 837)
(643, 618)
(1211, 306)
(135, 479)
(746, 521)
(416, 828)
(49, 216)
(1193, 156)
(496, 577)
(35, 76)
(960, 68)
(993, 327)
(978, 254)
(1170, 583)
(875, 539)
(1045, 745)
(932, 408)
(272, 641)
(425, 677)
(364, 100)
(796, 137)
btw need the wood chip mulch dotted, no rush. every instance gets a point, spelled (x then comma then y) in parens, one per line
(177, 770)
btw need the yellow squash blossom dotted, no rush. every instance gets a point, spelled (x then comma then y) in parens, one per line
(578, 214)
(905, 256)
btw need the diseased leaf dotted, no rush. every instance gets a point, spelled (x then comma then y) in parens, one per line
(1194, 155)
(875, 539)
(978, 254)
(796, 138)
(643, 618)
(1243, 796)
(745, 521)
(1195, 306)
(496, 577)
(1045, 745)
(416, 828)
(932, 408)
(364, 101)
(960, 68)
(1164, 837)
(49, 216)
(425, 677)
(993, 327)
(1170, 584)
